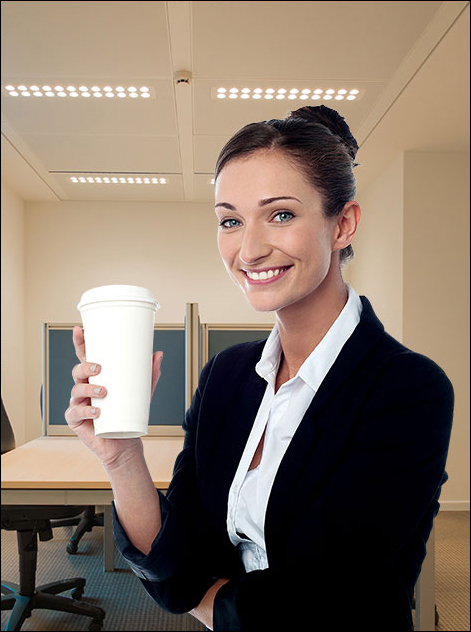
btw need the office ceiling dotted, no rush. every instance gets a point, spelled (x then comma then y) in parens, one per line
(409, 61)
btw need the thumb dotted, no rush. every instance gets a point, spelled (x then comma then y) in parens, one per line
(156, 364)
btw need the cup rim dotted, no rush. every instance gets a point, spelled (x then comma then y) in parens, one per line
(135, 294)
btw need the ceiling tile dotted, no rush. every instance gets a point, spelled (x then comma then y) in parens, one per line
(363, 41)
(106, 153)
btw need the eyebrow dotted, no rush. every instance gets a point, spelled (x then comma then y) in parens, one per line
(261, 203)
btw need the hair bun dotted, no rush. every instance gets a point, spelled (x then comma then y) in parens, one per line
(330, 119)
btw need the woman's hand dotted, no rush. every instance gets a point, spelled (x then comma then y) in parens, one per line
(204, 611)
(81, 413)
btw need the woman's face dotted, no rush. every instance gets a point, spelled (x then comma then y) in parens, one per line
(273, 238)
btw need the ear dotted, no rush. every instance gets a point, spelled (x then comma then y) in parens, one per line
(346, 224)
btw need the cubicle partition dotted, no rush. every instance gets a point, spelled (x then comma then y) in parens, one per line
(187, 347)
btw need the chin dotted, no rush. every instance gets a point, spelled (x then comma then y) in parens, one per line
(267, 304)
(262, 305)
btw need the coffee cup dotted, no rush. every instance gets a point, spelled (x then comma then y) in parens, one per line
(118, 324)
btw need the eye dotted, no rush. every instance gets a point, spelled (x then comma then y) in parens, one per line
(283, 216)
(229, 223)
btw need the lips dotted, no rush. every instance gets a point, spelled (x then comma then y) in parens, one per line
(267, 275)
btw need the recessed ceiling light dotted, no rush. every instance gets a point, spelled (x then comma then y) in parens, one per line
(72, 91)
(135, 179)
(282, 93)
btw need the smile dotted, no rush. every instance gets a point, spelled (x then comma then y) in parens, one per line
(265, 276)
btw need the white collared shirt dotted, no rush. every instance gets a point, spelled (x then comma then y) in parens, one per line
(280, 414)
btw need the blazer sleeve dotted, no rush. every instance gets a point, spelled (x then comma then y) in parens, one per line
(179, 569)
(377, 509)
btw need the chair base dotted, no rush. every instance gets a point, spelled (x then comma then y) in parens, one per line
(46, 597)
(84, 523)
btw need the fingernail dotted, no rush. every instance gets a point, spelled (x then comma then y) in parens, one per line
(93, 368)
(94, 411)
(97, 390)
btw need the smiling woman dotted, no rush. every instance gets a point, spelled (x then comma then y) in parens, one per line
(280, 248)
(313, 461)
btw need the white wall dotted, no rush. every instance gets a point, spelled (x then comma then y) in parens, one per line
(169, 248)
(377, 269)
(12, 310)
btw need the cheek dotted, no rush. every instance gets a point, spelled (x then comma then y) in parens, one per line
(315, 250)
(227, 250)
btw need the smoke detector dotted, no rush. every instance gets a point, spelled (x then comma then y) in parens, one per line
(182, 77)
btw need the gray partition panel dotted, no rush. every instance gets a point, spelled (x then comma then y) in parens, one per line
(62, 360)
(220, 339)
(168, 404)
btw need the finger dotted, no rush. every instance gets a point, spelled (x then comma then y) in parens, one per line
(78, 339)
(80, 401)
(74, 415)
(83, 390)
(156, 364)
(81, 372)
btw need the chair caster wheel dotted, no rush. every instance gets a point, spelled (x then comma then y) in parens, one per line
(77, 594)
(95, 625)
(72, 548)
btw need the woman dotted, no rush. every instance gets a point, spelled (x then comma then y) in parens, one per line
(312, 463)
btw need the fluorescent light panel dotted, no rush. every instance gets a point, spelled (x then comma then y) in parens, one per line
(303, 94)
(74, 91)
(118, 179)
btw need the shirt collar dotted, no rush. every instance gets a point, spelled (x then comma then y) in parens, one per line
(317, 364)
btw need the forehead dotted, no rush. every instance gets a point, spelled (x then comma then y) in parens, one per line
(262, 174)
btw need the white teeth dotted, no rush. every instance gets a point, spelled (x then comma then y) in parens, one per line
(262, 276)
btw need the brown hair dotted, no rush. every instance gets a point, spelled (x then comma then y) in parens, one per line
(318, 141)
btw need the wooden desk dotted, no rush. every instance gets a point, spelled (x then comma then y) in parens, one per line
(62, 471)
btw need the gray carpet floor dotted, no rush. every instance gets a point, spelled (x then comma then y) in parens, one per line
(128, 606)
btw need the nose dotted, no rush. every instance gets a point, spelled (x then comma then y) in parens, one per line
(254, 247)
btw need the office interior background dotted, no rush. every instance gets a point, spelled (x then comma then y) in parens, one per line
(192, 74)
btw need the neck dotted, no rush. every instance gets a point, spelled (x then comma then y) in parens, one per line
(303, 325)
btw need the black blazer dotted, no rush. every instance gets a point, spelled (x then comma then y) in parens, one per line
(351, 507)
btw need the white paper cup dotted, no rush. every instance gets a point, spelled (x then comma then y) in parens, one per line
(118, 323)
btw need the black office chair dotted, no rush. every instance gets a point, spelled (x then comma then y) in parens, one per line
(84, 523)
(29, 521)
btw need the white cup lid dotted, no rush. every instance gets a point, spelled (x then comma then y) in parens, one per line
(117, 293)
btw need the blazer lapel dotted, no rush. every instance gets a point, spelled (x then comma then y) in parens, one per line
(306, 462)
(226, 430)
